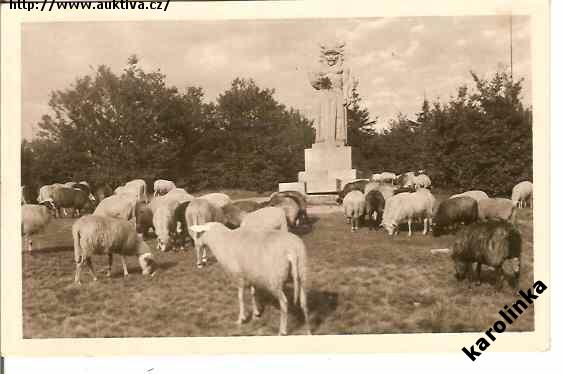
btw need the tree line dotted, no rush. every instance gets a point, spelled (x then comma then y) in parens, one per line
(111, 128)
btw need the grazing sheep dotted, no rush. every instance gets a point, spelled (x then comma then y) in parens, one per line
(162, 187)
(233, 216)
(72, 198)
(354, 205)
(494, 243)
(422, 181)
(387, 177)
(164, 222)
(45, 192)
(290, 206)
(522, 194)
(496, 208)
(178, 194)
(117, 206)
(299, 198)
(102, 192)
(248, 205)
(139, 188)
(408, 206)
(180, 222)
(357, 185)
(475, 194)
(453, 212)
(260, 259)
(407, 179)
(143, 218)
(375, 204)
(201, 211)
(268, 218)
(218, 199)
(34, 219)
(84, 186)
(377, 177)
(96, 235)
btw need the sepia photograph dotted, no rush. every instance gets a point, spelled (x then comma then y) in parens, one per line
(333, 176)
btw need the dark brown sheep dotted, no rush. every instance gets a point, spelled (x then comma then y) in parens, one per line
(453, 212)
(357, 185)
(495, 243)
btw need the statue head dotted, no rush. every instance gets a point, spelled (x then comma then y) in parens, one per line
(332, 53)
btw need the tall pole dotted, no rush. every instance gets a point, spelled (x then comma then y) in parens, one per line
(511, 45)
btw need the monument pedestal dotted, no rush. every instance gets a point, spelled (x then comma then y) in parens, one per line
(328, 167)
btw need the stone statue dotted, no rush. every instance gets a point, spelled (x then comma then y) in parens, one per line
(334, 84)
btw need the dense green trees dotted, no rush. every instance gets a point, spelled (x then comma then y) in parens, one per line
(480, 139)
(112, 128)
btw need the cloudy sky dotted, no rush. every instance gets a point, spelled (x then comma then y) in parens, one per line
(397, 60)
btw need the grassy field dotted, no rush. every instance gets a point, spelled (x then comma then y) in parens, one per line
(364, 282)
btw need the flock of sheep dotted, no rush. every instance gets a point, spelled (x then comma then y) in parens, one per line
(251, 241)
(488, 236)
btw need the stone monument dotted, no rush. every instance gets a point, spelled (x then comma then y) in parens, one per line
(328, 163)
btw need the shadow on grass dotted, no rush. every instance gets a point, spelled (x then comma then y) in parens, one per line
(45, 250)
(321, 304)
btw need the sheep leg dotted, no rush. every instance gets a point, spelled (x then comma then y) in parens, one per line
(478, 273)
(256, 312)
(283, 313)
(110, 260)
(77, 272)
(409, 226)
(204, 255)
(241, 294)
(198, 261)
(125, 273)
(91, 268)
(303, 304)
(425, 223)
(499, 278)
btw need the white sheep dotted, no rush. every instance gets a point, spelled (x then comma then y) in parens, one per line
(162, 187)
(34, 219)
(408, 206)
(522, 194)
(496, 208)
(422, 181)
(259, 258)
(164, 221)
(179, 194)
(96, 235)
(117, 206)
(218, 199)
(268, 218)
(201, 211)
(355, 206)
(139, 188)
(475, 194)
